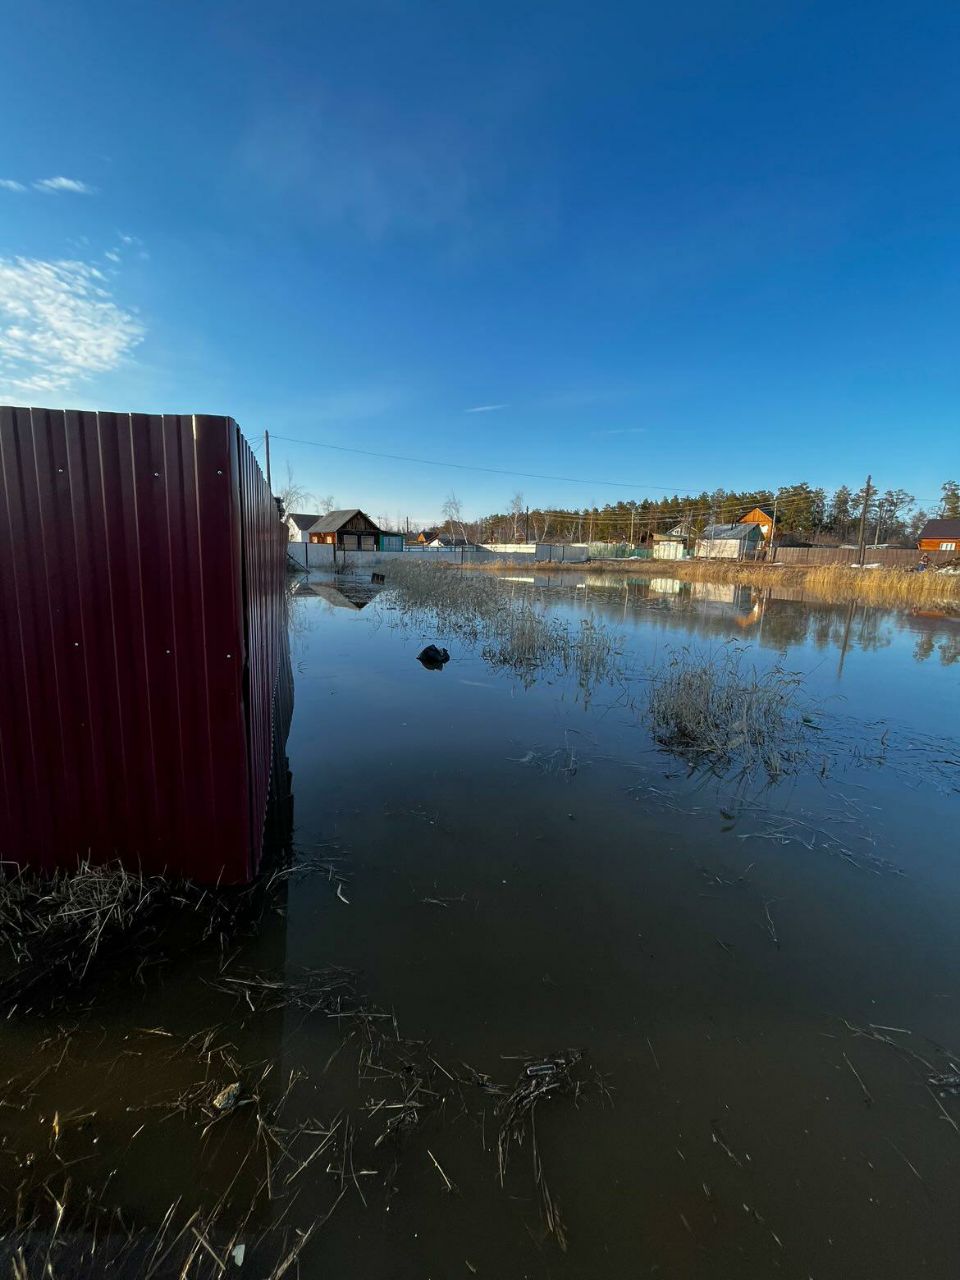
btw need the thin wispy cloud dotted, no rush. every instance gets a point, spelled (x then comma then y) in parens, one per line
(129, 244)
(71, 185)
(59, 326)
(485, 408)
(11, 184)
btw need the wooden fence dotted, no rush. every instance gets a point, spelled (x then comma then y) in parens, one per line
(892, 557)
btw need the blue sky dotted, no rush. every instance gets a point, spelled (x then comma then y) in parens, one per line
(672, 246)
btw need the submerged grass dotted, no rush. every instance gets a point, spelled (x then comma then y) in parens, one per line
(513, 630)
(57, 928)
(269, 1171)
(716, 707)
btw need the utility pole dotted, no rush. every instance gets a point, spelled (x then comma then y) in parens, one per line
(526, 526)
(773, 527)
(867, 491)
(632, 513)
(266, 454)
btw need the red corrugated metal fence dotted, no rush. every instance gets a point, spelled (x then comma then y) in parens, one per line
(141, 605)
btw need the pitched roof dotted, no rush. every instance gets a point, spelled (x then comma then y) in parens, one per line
(302, 521)
(947, 530)
(767, 511)
(728, 532)
(335, 520)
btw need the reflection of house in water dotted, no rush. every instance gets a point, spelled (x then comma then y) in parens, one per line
(666, 586)
(715, 592)
(344, 594)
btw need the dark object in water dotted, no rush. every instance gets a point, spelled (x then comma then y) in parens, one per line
(433, 658)
(947, 1082)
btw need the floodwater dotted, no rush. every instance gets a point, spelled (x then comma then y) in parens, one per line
(756, 972)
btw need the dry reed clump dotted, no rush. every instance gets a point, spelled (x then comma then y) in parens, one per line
(883, 587)
(895, 587)
(715, 708)
(514, 631)
(56, 928)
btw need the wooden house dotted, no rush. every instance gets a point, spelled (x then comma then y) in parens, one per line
(760, 516)
(350, 530)
(940, 535)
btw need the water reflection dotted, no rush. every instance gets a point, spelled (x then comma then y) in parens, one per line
(774, 617)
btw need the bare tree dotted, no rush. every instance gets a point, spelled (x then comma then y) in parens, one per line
(326, 504)
(917, 521)
(896, 504)
(293, 496)
(452, 511)
(516, 511)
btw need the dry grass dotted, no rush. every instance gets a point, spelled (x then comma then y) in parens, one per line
(715, 708)
(891, 588)
(57, 928)
(512, 630)
(885, 587)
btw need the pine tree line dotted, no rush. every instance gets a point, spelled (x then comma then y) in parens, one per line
(809, 513)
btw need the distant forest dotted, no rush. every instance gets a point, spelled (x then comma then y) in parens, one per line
(892, 516)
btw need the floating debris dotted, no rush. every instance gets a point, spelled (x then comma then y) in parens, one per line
(227, 1098)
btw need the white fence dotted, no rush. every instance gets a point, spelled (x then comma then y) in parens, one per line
(322, 555)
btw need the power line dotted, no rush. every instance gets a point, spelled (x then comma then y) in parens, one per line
(766, 494)
(463, 466)
(497, 471)
(682, 513)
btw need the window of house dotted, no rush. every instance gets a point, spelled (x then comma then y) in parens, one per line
(350, 542)
(368, 542)
(948, 546)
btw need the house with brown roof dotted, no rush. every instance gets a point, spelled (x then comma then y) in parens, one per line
(940, 535)
(351, 530)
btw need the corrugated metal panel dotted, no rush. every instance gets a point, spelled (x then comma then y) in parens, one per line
(123, 640)
(264, 548)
